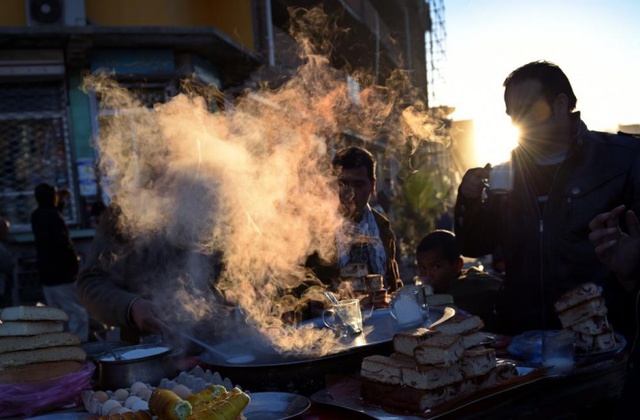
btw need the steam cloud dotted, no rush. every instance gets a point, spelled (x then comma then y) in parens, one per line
(253, 182)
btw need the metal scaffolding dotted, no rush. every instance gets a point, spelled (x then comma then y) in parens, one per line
(436, 38)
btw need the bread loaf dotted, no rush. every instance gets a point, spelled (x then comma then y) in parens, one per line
(439, 349)
(431, 377)
(404, 342)
(582, 312)
(31, 342)
(37, 372)
(20, 328)
(478, 361)
(604, 342)
(503, 371)
(473, 339)
(584, 342)
(592, 326)
(386, 370)
(33, 313)
(49, 354)
(583, 293)
(407, 398)
(460, 324)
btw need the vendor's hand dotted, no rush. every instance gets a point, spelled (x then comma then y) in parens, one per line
(473, 181)
(144, 314)
(619, 251)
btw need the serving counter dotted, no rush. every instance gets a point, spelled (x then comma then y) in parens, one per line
(333, 387)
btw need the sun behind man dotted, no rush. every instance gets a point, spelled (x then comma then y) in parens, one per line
(373, 243)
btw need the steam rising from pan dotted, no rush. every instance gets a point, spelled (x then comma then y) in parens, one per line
(252, 183)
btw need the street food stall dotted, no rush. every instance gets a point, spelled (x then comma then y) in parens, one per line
(500, 376)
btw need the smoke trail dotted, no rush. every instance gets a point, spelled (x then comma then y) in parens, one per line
(252, 183)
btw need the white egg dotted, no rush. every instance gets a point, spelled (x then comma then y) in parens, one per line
(114, 410)
(100, 396)
(95, 407)
(136, 387)
(110, 405)
(145, 394)
(131, 400)
(124, 410)
(121, 394)
(140, 405)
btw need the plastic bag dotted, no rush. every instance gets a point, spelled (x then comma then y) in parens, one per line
(30, 398)
(527, 346)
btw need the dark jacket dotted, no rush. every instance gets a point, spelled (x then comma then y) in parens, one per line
(57, 258)
(120, 269)
(548, 254)
(477, 292)
(327, 271)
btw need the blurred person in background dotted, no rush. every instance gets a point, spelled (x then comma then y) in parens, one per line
(620, 252)
(374, 243)
(564, 175)
(57, 260)
(64, 198)
(132, 282)
(107, 283)
(440, 265)
(7, 264)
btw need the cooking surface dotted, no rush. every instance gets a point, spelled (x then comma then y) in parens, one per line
(378, 328)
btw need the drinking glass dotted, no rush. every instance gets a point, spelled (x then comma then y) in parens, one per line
(344, 317)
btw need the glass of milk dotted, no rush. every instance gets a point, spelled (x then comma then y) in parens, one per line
(558, 348)
(501, 178)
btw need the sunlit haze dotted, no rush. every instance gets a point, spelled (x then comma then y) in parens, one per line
(251, 184)
(594, 42)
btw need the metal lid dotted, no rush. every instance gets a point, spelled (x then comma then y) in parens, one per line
(135, 353)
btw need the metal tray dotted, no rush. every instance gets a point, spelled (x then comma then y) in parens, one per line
(378, 328)
(352, 401)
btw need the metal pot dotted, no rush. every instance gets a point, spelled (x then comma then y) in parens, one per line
(147, 363)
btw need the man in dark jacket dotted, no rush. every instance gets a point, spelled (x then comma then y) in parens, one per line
(372, 243)
(57, 260)
(564, 175)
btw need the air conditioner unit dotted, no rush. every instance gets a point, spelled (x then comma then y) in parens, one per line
(55, 12)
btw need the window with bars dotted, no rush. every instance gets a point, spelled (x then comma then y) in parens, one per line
(34, 148)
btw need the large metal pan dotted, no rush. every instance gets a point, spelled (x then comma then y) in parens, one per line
(270, 371)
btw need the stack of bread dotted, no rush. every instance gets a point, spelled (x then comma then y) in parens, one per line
(34, 347)
(433, 366)
(583, 311)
